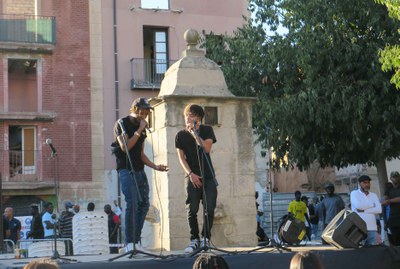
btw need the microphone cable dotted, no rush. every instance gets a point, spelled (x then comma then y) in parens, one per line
(156, 183)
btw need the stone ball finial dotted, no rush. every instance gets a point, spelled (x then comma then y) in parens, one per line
(192, 37)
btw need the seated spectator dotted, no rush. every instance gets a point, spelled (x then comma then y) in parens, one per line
(209, 260)
(306, 260)
(42, 264)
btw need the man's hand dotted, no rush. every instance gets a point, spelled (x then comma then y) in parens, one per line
(161, 167)
(196, 180)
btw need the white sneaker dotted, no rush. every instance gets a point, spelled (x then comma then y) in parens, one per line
(129, 247)
(194, 244)
(205, 242)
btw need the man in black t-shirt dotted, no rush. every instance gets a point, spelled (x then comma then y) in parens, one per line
(130, 134)
(193, 145)
(392, 198)
(36, 231)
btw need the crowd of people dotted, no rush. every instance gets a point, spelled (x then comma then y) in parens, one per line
(317, 214)
(47, 225)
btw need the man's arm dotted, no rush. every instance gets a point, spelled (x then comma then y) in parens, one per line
(18, 230)
(195, 179)
(388, 201)
(377, 209)
(354, 202)
(149, 163)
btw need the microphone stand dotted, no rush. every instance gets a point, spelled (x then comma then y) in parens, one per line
(56, 256)
(206, 247)
(134, 251)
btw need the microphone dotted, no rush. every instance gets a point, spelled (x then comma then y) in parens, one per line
(49, 142)
(121, 124)
(194, 125)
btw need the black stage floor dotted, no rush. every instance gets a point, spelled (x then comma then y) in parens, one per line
(379, 257)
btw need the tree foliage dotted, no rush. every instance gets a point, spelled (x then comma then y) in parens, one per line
(321, 92)
(390, 56)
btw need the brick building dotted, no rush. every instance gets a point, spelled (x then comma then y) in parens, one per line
(44, 94)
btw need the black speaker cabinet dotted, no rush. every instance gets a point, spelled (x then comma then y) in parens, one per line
(291, 230)
(346, 230)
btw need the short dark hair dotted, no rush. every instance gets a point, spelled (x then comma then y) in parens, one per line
(364, 178)
(90, 206)
(195, 110)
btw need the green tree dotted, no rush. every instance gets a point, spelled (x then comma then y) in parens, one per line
(321, 91)
(390, 55)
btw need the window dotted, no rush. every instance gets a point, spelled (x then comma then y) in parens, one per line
(22, 145)
(155, 4)
(211, 115)
(22, 85)
(155, 51)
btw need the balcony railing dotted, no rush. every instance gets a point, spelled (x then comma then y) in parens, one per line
(148, 73)
(27, 29)
(25, 165)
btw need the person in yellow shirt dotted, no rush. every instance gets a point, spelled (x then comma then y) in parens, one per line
(298, 208)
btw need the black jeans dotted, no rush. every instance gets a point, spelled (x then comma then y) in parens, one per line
(193, 198)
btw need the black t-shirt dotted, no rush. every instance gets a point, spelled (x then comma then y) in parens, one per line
(186, 142)
(6, 227)
(313, 213)
(136, 151)
(394, 216)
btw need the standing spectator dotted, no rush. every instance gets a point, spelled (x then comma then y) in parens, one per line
(36, 231)
(298, 208)
(313, 217)
(307, 222)
(66, 226)
(320, 213)
(14, 225)
(261, 236)
(77, 208)
(331, 205)
(49, 222)
(306, 260)
(386, 211)
(392, 198)
(366, 204)
(113, 225)
(90, 207)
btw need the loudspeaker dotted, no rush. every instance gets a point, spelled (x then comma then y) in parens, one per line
(346, 230)
(291, 230)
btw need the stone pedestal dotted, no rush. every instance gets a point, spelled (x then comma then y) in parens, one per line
(196, 79)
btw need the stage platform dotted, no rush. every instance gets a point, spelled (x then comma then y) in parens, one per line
(379, 257)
